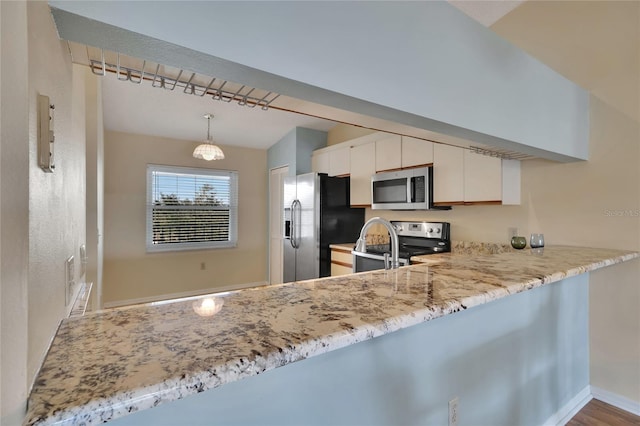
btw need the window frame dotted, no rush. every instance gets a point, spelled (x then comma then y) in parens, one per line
(207, 245)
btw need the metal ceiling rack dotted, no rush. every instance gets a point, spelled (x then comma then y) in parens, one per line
(218, 89)
(500, 153)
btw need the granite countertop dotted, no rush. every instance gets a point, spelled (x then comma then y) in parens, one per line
(107, 364)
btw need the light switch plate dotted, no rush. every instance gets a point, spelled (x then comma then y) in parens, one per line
(70, 280)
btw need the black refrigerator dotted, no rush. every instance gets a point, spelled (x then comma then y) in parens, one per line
(317, 213)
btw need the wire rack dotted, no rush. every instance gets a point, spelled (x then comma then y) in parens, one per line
(500, 153)
(135, 71)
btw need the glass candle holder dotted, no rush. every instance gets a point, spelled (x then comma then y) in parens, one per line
(518, 242)
(536, 241)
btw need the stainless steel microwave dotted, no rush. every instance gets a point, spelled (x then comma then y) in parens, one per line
(410, 189)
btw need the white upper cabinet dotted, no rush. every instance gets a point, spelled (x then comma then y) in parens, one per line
(482, 178)
(416, 152)
(334, 162)
(339, 161)
(510, 182)
(388, 153)
(363, 161)
(320, 162)
(448, 174)
(461, 176)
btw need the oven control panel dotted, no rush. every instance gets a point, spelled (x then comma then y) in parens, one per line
(438, 230)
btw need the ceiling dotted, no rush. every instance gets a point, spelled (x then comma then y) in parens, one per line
(148, 110)
(145, 109)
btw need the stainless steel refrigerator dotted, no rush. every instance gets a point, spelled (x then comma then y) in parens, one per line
(317, 213)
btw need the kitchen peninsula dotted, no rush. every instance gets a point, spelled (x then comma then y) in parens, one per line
(518, 359)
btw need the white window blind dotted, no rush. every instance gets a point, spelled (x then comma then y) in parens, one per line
(190, 208)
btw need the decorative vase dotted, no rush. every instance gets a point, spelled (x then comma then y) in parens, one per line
(518, 242)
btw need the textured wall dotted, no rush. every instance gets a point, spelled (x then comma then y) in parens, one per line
(14, 208)
(56, 200)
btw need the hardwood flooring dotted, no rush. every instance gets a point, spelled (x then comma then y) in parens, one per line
(598, 413)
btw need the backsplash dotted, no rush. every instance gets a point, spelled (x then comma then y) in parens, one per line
(473, 247)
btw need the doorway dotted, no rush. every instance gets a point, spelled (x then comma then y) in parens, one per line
(276, 180)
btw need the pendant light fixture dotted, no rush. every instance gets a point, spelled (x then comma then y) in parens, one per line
(208, 150)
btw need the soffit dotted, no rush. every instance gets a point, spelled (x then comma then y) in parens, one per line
(596, 44)
(486, 12)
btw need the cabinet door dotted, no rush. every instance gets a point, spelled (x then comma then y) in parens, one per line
(320, 162)
(448, 175)
(339, 163)
(341, 262)
(388, 153)
(363, 162)
(416, 152)
(482, 178)
(510, 182)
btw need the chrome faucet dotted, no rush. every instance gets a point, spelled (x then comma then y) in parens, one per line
(361, 244)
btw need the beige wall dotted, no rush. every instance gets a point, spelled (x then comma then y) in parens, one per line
(43, 220)
(95, 184)
(344, 132)
(597, 45)
(56, 200)
(14, 208)
(130, 272)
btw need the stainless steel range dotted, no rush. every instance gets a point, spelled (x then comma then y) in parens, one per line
(414, 239)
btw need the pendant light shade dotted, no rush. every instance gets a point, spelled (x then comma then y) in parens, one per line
(208, 150)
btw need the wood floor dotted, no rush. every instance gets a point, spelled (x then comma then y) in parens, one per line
(598, 413)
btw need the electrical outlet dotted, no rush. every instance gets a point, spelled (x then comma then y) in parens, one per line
(70, 280)
(453, 412)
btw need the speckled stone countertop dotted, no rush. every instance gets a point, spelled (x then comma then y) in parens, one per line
(107, 364)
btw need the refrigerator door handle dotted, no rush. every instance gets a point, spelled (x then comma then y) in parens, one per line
(295, 243)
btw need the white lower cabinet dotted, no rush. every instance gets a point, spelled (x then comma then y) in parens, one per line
(363, 162)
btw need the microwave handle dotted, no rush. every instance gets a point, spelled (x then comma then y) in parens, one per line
(411, 190)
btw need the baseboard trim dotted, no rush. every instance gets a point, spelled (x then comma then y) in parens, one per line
(570, 409)
(182, 295)
(616, 400)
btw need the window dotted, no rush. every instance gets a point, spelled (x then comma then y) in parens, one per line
(191, 208)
